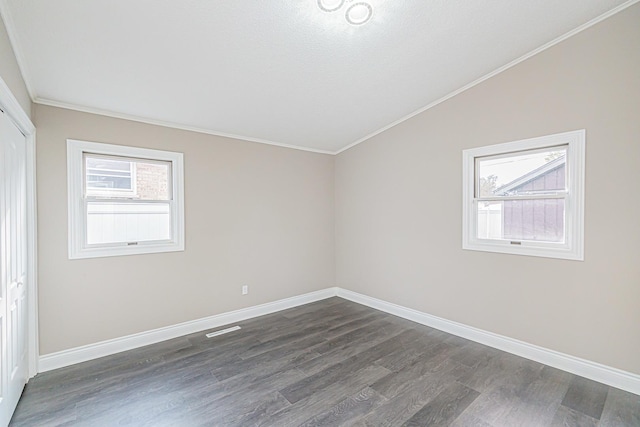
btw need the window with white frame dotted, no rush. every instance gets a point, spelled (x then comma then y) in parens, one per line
(123, 200)
(526, 197)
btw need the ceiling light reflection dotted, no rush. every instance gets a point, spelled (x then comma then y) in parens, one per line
(359, 13)
(330, 5)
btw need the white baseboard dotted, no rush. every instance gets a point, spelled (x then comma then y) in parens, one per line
(605, 374)
(72, 356)
(585, 368)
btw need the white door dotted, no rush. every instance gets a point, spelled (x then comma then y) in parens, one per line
(13, 250)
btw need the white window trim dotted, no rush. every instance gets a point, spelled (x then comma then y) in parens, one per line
(573, 248)
(77, 218)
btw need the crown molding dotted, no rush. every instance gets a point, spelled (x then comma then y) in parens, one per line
(6, 16)
(495, 72)
(169, 124)
(14, 40)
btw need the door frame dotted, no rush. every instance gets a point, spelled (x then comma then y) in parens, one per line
(14, 111)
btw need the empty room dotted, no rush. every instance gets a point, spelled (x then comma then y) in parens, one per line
(320, 213)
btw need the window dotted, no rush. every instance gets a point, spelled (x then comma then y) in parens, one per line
(526, 197)
(123, 200)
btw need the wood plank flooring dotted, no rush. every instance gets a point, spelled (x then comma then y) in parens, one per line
(329, 363)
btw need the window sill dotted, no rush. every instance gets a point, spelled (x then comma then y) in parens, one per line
(525, 249)
(142, 249)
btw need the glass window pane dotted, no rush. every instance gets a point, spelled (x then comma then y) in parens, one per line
(540, 220)
(152, 180)
(108, 164)
(524, 173)
(127, 177)
(106, 174)
(127, 222)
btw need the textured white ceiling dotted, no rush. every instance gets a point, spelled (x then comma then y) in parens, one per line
(283, 72)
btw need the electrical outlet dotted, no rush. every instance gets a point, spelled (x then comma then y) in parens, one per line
(245, 289)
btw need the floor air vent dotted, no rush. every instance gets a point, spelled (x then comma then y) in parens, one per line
(222, 331)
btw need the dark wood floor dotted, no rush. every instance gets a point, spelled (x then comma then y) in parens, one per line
(328, 363)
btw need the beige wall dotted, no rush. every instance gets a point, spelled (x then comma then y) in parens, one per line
(398, 203)
(10, 73)
(255, 214)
